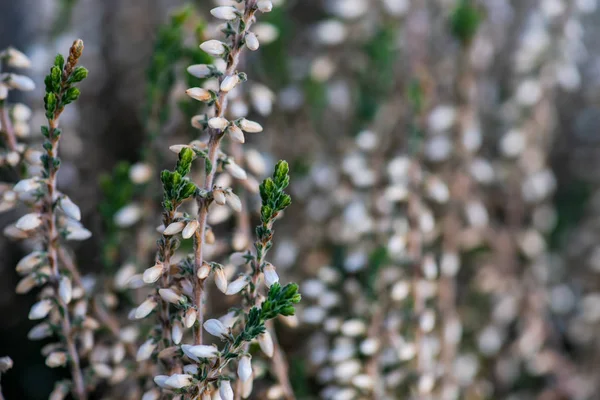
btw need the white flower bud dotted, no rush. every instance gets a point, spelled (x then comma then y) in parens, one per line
(56, 359)
(236, 286)
(28, 263)
(216, 328)
(199, 70)
(219, 197)
(140, 173)
(177, 332)
(199, 94)
(218, 123)
(265, 6)
(174, 228)
(225, 390)
(102, 370)
(266, 343)
(160, 380)
(145, 351)
(221, 280)
(234, 201)
(40, 309)
(128, 215)
(178, 381)
(236, 134)
(190, 318)
(230, 82)
(190, 229)
(40, 331)
(199, 351)
(252, 41)
(145, 308)
(250, 126)
(153, 274)
(78, 233)
(65, 289)
(214, 47)
(245, 368)
(170, 296)
(15, 58)
(27, 185)
(247, 388)
(203, 271)
(271, 276)
(26, 284)
(70, 209)
(227, 13)
(19, 82)
(236, 171)
(29, 222)
(153, 394)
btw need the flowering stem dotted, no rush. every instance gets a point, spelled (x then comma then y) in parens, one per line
(52, 236)
(212, 159)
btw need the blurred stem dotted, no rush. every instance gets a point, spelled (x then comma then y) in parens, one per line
(7, 130)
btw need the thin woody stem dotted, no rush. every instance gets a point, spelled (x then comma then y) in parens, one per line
(213, 147)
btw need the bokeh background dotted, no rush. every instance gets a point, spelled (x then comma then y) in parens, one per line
(498, 105)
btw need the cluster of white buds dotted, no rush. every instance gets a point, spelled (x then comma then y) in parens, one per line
(190, 365)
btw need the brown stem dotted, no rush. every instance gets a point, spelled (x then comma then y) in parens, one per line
(213, 147)
(7, 128)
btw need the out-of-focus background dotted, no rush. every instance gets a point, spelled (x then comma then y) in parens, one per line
(494, 101)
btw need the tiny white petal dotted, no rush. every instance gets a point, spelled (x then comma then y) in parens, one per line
(265, 6)
(236, 286)
(213, 47)
(199, 70)
(266, 343)
(271, 276)
(227, 13)
(245, 368)
(252, 41)
(190, 229)
(152, 274)
(145, 308)
(199, 94)
(219, 123)
(250, 126)
(40, 309)
(174, 228)
(29, 222)
(225, 390)
(70, 208)
(145, 351)
(178, 381)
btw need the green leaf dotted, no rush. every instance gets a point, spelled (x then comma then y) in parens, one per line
(184, 164)
(59, 61)
(79, 74)
(71, 95)
(465, 21)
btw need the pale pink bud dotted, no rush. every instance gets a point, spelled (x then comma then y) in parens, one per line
(219, 197)
(219, 123)
(174, 228)
(203, 271)
(250, 126)
(170, 296)
(56, 359)
(230, 82)
(199, 94)
(234, 201)
(30, 262)
(221, 280)
(236, 171)
(236, 134)
(153, 273)
(190, 318)
(190, 229)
